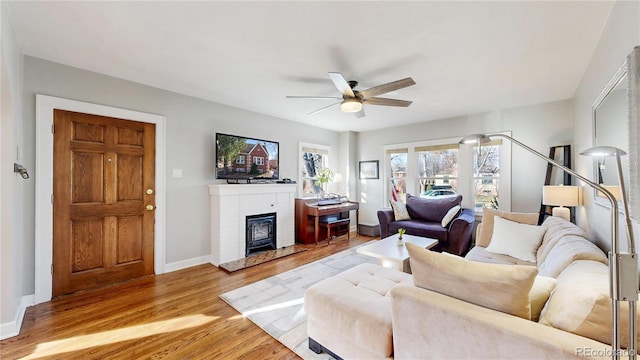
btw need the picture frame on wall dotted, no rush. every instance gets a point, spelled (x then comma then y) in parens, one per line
(369, 169)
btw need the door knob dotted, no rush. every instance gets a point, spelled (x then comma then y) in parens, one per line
(149, 207)
(149, 191)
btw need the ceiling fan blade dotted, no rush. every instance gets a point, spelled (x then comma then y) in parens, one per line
(341, 84)
(385, 88)
(387, 102)
(312, 97)
(360, 113)
(323, 108)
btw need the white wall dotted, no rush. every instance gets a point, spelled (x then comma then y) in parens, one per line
(190, 127)
(12, 187)
(538, 126)
(620, 35)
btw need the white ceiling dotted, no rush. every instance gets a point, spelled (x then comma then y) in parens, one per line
(466, 57)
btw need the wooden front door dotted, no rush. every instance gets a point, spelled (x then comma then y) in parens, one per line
(103, 200)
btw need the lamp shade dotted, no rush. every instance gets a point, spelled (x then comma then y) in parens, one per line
(562, 195)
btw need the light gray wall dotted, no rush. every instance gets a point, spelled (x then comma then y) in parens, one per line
(538, 126)
(621, 34)
(12, 187)
(191, 126)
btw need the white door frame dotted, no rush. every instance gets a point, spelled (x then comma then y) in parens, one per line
(44, 183)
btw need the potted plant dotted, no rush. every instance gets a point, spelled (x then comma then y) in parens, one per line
(401, 232)
(323, 176)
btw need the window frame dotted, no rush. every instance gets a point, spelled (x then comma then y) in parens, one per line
(466, 176)
(302, 146)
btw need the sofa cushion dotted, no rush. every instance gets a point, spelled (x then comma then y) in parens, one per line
(478, 253)
(431, 209)
(484, 234)
(562, 244)
(500, 287)
(399, 210)
(514, 239)
(557, 228)
(580, 303)
(539, 294)
(420, 228)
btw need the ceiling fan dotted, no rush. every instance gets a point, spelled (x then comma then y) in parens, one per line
(352, 100)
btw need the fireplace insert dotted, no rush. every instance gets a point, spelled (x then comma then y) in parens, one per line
(261, 233)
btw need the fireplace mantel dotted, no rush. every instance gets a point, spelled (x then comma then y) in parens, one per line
(231, 203)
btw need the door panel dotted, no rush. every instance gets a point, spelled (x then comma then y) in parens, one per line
(87, 188)
(102, 232)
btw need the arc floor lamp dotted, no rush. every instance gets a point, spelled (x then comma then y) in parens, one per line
(623, 266)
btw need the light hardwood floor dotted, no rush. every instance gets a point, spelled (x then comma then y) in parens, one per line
(178, 315)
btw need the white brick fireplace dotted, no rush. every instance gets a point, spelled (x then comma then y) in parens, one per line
(232, 203)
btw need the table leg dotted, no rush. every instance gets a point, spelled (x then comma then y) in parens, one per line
(357, 226)
(316, 229)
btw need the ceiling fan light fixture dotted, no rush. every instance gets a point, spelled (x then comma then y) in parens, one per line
(351, 105)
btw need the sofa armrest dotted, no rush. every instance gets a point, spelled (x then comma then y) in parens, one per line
(385, 217)
(460, 232)
(429, 325)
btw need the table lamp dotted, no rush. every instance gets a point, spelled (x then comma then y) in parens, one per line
(561, 196)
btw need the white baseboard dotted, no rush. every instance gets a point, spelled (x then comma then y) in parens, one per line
(183, 264)
(12, 328)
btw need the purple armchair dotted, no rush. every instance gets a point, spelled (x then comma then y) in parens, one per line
(426, 217)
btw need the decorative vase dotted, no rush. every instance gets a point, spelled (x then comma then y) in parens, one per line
(400, 241)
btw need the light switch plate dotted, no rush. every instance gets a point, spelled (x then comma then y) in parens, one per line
(177, 173)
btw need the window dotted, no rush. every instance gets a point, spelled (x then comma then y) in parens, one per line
(240, 159)
(486, 172)
(312, 159)
(437, 170)
(442, 168)
(398, 173)
(258, 160)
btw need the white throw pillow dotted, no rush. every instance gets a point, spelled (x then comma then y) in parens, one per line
(400, 211)
(516, 240)
(450, 215)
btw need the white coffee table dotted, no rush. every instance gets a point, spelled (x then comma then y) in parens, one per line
(391, 254)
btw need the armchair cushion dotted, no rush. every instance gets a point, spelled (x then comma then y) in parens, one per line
(430, 209)
(420, 228)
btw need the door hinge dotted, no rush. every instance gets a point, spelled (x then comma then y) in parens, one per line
(51, 198)
(51, 269)
(53, 129)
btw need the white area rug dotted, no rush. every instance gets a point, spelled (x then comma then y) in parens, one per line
(276, 304)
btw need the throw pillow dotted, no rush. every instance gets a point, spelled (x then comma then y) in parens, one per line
(539, 294)
(580, 303)
(516, 240)
(484, 235)
(399, 210)
(432, 210)
(500, 287)
(451, 214)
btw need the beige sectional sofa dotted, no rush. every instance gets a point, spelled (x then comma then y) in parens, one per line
(372, 312)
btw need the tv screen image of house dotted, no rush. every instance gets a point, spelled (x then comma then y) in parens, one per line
(239, 157)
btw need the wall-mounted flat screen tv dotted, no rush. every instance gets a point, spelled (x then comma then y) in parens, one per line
(239, 157)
